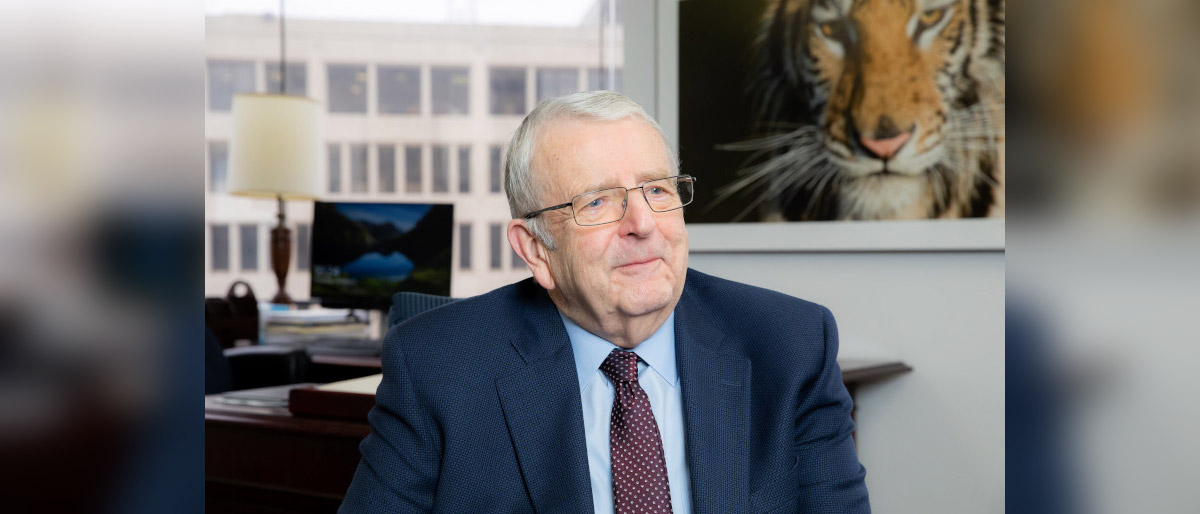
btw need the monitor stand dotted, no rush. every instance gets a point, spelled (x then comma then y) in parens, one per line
(375, 320)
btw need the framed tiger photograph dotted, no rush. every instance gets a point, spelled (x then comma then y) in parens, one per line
(842, 110)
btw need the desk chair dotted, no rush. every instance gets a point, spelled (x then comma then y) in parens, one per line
(406, 305)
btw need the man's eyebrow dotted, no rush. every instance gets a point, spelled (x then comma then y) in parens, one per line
(649, 175)
(642, 176)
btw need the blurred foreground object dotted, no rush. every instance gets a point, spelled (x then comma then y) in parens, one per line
(99, 242)
(1103, 250)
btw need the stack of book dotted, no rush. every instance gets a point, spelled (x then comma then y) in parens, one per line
(310, 326)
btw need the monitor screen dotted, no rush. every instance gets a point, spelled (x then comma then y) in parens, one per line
(363, 253)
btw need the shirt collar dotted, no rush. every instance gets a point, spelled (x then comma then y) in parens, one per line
(590, 351)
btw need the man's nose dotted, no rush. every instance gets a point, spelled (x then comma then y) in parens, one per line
(639, 218)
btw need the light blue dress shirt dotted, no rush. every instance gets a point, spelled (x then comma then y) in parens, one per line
(658, 376)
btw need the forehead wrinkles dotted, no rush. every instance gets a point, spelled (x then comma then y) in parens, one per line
(564, 169)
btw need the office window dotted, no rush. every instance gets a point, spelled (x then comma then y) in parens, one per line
(297, 77)
(464, 169)
(597, 80)
(412, 168)
(219, 245)
(450, 87)
(335, 168)
(464, 246)
(495, 182)
(249, 241)
(507, 90)
(387, 169)
(303, 247)
(496, 232)
(441, 169)
(399, 89)
(358, 168)
(228, 78)
(218, 166)
(347, 88)
(553, 82)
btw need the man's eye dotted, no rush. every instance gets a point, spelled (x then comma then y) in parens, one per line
(595, 203)
(657, 190)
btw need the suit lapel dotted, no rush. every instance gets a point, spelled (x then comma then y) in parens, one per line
(716, 411)
(544, 414)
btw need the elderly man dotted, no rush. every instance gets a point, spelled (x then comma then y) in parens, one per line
(615, 380)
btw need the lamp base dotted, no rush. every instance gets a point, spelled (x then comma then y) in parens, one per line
(281, 256)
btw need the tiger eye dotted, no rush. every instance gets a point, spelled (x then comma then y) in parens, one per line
(827, 29)
(931, 17)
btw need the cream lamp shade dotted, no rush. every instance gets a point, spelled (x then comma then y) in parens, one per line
(275, 146)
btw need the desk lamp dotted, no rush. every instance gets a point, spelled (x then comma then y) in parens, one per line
(274, 153)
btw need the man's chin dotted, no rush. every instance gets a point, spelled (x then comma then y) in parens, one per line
(644, 300)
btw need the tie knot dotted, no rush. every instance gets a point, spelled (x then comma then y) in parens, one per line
(620, 366)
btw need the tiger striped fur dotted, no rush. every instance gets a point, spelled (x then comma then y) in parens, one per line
(876, 109)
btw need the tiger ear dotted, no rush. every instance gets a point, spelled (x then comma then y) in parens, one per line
(531, 250)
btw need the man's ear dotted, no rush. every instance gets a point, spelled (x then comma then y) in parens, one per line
(532, 251)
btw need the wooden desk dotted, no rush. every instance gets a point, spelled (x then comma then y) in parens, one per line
(264, 460)
(267, 461)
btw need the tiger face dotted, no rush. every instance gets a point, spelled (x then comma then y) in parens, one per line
(886, 110)
(899, 105)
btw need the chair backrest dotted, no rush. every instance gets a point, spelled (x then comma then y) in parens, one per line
(233, 317)
(406, 305)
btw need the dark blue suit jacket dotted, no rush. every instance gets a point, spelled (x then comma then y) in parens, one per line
(479, 410)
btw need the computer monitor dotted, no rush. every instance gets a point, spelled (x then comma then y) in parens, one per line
(363, 253)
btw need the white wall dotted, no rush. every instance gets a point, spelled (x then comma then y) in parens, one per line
(932, 440)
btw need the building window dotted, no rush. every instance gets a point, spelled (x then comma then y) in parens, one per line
(464, 246)
(303, 247)
(297, 77)
(553, 82)
(412, 168)
(495, 165)
(507, 90)
(496, 232)
(464, 169)
(228, 78)
(348, 88)
(335, 168)
(441, 169)
(399, 89)
(249, 241)
(220, 247)
(387, 169)
(598, 80)
(450, 87)
(218, 166)
(358, 168)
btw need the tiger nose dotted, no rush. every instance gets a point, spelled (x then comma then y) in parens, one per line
(887, 147)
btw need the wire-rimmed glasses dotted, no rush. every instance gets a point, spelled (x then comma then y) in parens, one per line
(609, 205)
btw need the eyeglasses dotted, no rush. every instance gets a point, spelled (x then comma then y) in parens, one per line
(608, 205)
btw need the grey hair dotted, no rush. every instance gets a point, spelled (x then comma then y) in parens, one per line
(519, 185)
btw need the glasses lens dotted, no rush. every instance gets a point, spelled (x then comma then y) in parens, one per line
(669, 193)
(599, 207)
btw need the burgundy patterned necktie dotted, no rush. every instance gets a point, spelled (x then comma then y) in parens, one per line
(639, 470)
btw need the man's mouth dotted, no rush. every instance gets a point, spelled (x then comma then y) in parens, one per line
(638, 264)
